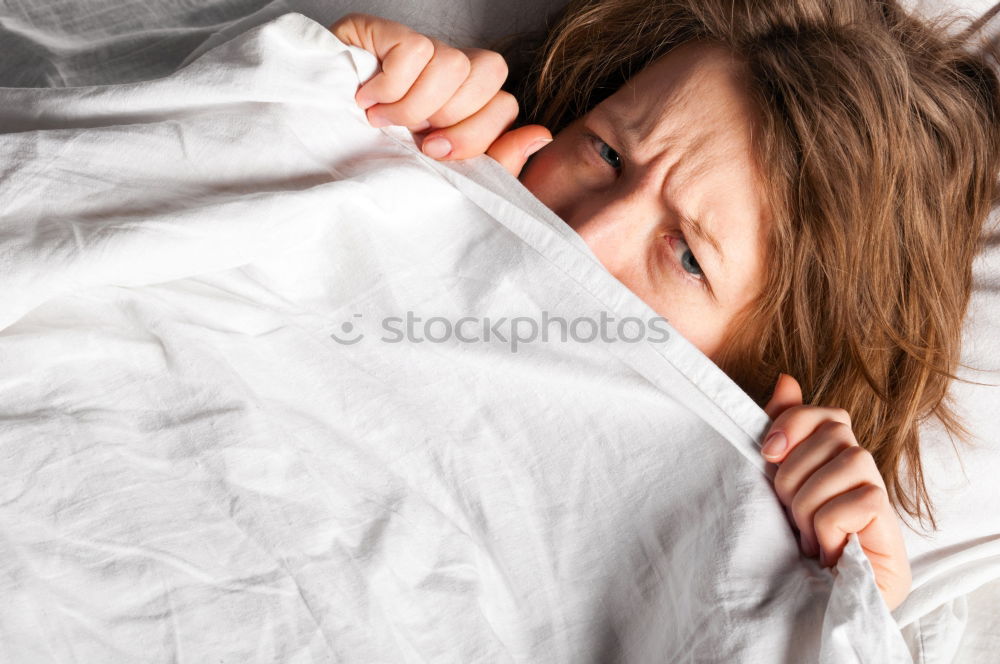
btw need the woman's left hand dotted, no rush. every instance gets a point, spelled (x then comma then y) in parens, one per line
(833, 488)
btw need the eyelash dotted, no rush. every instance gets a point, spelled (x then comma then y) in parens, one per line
(698, 280)
(594, 140)
(674, 261)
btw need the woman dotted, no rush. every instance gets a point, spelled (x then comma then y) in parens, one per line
(798, 186)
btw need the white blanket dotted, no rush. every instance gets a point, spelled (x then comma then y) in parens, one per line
(193, 469)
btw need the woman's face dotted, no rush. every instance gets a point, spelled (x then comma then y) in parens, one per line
(659, 181)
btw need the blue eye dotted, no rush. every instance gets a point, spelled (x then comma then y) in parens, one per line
(608, 154)
(687, 259)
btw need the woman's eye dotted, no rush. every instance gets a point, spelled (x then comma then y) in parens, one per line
(608, 153)
(610, 156)
(687, 259)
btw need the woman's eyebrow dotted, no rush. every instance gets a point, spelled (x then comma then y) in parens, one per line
(696, 228)
(629, 134)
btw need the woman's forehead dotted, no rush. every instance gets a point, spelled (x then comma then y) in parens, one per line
(693, 93)
(689, 109)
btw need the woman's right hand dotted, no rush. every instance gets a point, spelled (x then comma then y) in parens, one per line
(450, 98)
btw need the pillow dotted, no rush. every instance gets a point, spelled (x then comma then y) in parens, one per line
(93, 42)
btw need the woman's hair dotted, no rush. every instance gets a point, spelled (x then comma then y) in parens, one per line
(878, 148)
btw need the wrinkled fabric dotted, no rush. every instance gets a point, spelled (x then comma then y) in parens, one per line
(66, 43)
(211, 449)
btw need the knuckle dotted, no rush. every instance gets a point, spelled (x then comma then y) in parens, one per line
(507, 103)
(837, 429)
(784, 486)
(797, 504)
(843, 415)
(785, 493)
(496, 65)
(825, 519)
(420, 45)
(799, 509)
(872, 495)
(855, 456)
(453, 60)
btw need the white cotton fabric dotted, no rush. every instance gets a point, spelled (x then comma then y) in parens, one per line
(64, 43)
(192, 469)
(951, 614)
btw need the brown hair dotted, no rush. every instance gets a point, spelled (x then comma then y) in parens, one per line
(878, 145)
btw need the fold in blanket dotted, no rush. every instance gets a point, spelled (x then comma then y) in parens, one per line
(225, 436)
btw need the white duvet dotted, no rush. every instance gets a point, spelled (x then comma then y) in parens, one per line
(193, 469)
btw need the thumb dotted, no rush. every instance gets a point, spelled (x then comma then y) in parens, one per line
(787, 393)
(513, 148)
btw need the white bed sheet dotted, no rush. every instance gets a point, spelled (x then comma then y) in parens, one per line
(91, 42)
(194, 470)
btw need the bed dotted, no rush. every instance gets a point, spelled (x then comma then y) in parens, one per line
(167, 513)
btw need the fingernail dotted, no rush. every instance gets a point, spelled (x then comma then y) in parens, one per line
(774, 445)
(378, 120)
(364, 101)
(536, 146)
(437, 147)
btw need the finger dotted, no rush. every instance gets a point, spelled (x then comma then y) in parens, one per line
(867, 511)
(436, 84)
(488, 71)
(402, 52)
(474, 135)
(819, 449)
(794, 425)
(854, 511)
(514, 148)
(787, 393)
(850, 468)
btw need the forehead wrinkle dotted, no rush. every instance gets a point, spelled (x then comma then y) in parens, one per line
(636, 128)
(695, 161)
(655, 117)
(646, 127)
